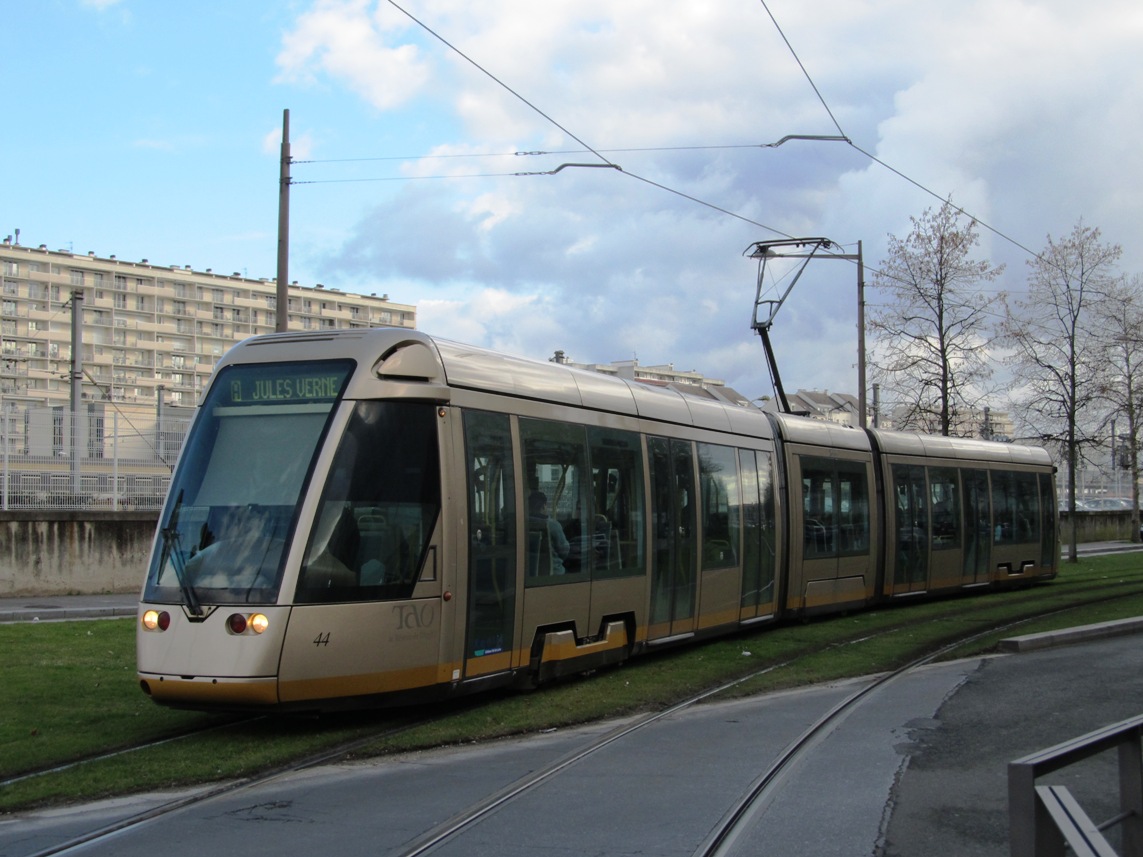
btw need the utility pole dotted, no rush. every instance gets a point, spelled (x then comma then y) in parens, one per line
(282, 315)
(861, 337)
(76, 377)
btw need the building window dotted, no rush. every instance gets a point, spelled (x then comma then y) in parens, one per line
(77, 278)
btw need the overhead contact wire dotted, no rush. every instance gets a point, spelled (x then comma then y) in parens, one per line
(501, 83)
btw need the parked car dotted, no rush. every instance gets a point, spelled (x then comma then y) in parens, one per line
(1108, 504)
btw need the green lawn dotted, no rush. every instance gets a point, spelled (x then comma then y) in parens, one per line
(70, 690)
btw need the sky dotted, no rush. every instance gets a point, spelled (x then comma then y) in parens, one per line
(151, 130)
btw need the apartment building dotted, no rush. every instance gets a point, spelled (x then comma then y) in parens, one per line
(151, 334)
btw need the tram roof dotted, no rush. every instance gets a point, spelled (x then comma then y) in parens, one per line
(800, 429)
(481, 369)
(414, 356)
(959, 448)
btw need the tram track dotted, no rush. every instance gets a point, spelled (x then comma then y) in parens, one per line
(723, 837)
(209, 793)
(735, 818)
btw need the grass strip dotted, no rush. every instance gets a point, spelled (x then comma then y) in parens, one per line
(71, 690)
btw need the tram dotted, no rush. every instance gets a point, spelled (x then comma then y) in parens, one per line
(366, 517)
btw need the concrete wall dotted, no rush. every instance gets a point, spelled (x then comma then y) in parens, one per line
(76, 553)
(86, 553)
(1096, 527)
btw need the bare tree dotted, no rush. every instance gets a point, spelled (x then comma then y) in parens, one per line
(1056, 354)
(930, 341)
(1119, 319)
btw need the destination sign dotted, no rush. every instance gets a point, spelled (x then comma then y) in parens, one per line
(285, 383)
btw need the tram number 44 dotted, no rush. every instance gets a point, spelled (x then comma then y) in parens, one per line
(322, 639)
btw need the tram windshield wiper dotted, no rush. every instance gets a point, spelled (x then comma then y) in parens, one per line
(172, 550)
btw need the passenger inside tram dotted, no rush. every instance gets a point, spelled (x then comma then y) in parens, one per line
(549, 532)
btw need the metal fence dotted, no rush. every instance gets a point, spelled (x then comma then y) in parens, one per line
(101, 457)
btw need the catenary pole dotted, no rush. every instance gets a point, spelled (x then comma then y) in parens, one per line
(76, 385)
(282, 314)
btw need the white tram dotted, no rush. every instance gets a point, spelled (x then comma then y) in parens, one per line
(367, 516)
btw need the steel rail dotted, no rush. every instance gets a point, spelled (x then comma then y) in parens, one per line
(734, 825)
(140, 818)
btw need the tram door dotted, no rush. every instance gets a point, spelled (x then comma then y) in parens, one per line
(491, 619)
(911, 524)
(977, 525)
(674, 566)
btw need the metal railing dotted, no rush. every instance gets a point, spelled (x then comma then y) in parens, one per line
(103, 459)
(1044, 820)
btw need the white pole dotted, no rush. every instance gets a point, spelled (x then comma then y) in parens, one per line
(115, 461)
(4, 411)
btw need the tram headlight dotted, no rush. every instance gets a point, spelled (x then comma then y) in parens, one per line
(156, 620)
(238, 623)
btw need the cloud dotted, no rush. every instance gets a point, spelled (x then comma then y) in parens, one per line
(344, 41)
(1025, 112)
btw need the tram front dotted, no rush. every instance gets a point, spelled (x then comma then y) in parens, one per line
(293, 544)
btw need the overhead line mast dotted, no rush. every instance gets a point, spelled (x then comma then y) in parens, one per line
(766, 309)
(282, 313)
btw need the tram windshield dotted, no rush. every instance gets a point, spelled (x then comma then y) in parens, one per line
(378, 508)
(235, 496)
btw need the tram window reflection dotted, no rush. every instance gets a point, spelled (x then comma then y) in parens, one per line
(617, 497)
(835, 505)
(721, 506)
(378, 507)
(1015, 508)
(944, 494)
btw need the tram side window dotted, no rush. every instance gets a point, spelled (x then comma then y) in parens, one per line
(492, 548)
(556, 489)
(721, 506)
(911, 562)
(944, 497)
(853, 508)
(758, 526)
(835, 506)
(817, 507)
(617, 519)
(1027, 508)
(1015, 508)
(1048, 520)
(378, 508)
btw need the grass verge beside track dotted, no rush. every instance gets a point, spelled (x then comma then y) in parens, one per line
(70, 690)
